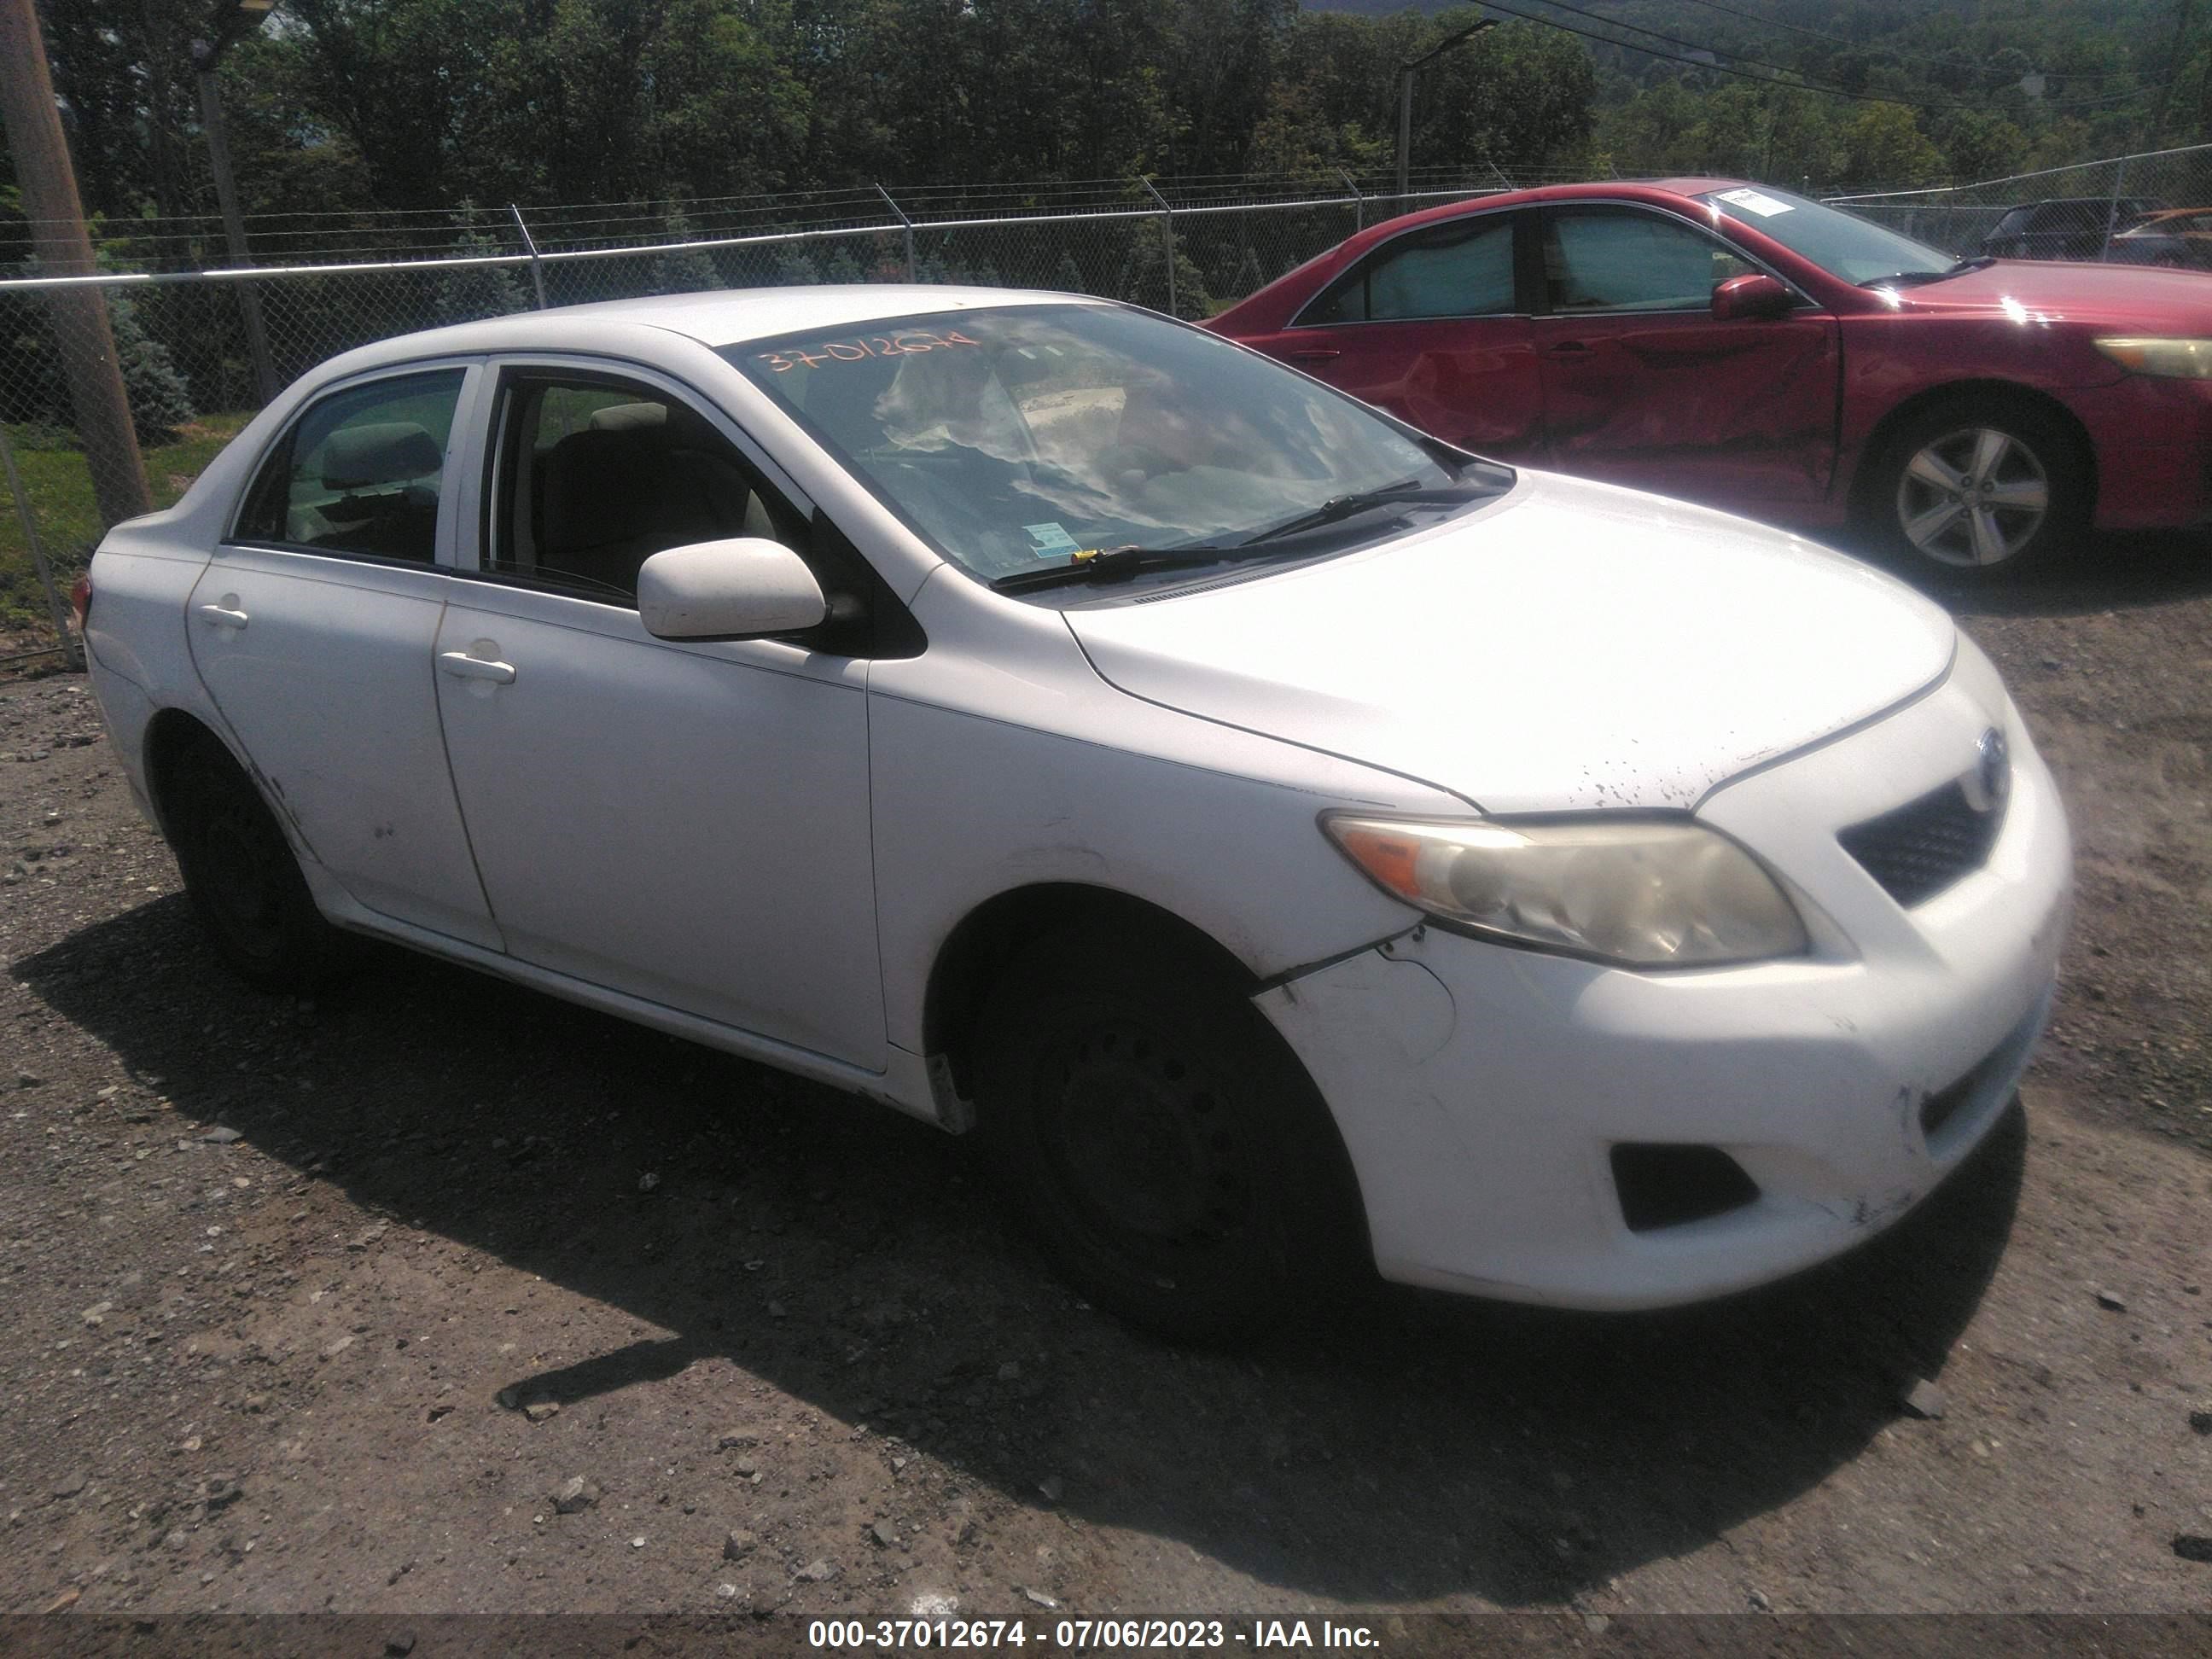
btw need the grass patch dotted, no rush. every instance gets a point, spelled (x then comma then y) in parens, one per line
(59, 484)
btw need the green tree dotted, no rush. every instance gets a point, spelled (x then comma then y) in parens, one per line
(468, 293)
(687, 270)
(161, 401)
(1884, 145)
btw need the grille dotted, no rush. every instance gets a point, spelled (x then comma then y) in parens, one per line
(1925, 845)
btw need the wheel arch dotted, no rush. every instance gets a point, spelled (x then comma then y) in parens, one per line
(1873, 453)
(984, 940)
(171, 736)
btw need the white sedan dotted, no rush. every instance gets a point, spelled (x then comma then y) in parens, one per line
(1286, 840)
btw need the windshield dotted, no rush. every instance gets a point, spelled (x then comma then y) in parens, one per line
(1018, 438)
(1842, 243)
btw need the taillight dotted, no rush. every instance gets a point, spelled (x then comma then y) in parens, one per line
(80, 600)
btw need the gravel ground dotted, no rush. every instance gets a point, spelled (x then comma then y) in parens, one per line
(434, 1295)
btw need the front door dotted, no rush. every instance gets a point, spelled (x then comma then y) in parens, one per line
(312, 628)
(1643, 387)
(684, 822)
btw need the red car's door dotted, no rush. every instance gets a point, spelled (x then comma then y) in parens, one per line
(1641, 384)
(1430, 327)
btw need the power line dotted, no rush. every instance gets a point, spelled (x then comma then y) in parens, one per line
(1697, 45)
(1812, 87)
(1885, 52)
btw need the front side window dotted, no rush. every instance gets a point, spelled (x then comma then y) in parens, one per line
(1016, 437)
(595, 475)
(360, 472)
(1462, 268)
(1601, 260)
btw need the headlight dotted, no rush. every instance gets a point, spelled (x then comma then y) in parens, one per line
(2174, 360)
(1646, 893)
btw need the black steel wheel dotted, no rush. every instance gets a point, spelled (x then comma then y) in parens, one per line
(241, 875)
(1161, 1142)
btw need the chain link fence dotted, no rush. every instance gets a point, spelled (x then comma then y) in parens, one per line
(2149, 210)
(201, 350)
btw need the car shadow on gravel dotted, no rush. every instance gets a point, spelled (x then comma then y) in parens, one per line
(1420, 1447)
(2112, 572)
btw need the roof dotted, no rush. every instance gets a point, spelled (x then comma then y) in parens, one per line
(719, 318)
(727, 316)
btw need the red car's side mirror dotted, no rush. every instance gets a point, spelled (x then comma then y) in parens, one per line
(1754, 295)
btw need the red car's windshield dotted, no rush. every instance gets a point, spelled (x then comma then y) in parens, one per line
(1842, 243)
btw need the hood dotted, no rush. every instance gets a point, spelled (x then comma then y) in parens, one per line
(1570, 645)
(2053, 290)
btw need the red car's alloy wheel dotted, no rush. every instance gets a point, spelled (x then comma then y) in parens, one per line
(1977, 495)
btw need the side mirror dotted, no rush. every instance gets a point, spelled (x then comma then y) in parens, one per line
(740, 589)
(1756, 294)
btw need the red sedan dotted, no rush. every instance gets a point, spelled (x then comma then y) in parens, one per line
(1746, 347)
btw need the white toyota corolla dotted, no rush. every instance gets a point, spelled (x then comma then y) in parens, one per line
(1280, 836)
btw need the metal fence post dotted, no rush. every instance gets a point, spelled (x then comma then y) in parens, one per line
(530, 246)
(205, 57)
(913, 271)
(1167, 231)
(1359, 201)
(54, 605)
(2112, 211)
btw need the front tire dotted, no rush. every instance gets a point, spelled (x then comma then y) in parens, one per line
(1160, 1142)
(241, 878)
(1979, 491)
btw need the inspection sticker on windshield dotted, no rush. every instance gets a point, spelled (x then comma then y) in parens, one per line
(1758, 201)
(1050, 538)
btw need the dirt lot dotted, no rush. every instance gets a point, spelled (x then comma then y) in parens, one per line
(278, 1279)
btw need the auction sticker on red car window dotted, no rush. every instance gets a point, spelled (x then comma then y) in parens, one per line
(1757, 201)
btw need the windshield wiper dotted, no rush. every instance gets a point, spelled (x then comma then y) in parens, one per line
(1119, 564)
(1111, 564)
(1916, 278)
(1343, 507)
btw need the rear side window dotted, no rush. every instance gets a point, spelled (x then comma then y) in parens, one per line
(360, 472)
(1463, 269)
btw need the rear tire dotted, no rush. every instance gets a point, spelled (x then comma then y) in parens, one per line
(1162, 1145)
(241, 875)
(1978, 490)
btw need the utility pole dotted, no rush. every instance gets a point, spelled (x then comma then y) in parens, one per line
(241, 18)
(2157, 125)
(86, 341)
(1406, 97)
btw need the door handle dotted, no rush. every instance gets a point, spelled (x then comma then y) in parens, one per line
(224, 617)
(1567, 348)
(463, 666)
(1316, 356)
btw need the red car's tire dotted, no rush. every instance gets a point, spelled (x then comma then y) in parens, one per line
(1978, 489)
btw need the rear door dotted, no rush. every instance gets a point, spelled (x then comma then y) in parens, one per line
(1643, 387)
(312, 627)
(1431, 327)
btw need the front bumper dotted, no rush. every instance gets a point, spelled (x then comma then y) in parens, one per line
(2153, 440)
(1481, 1090)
